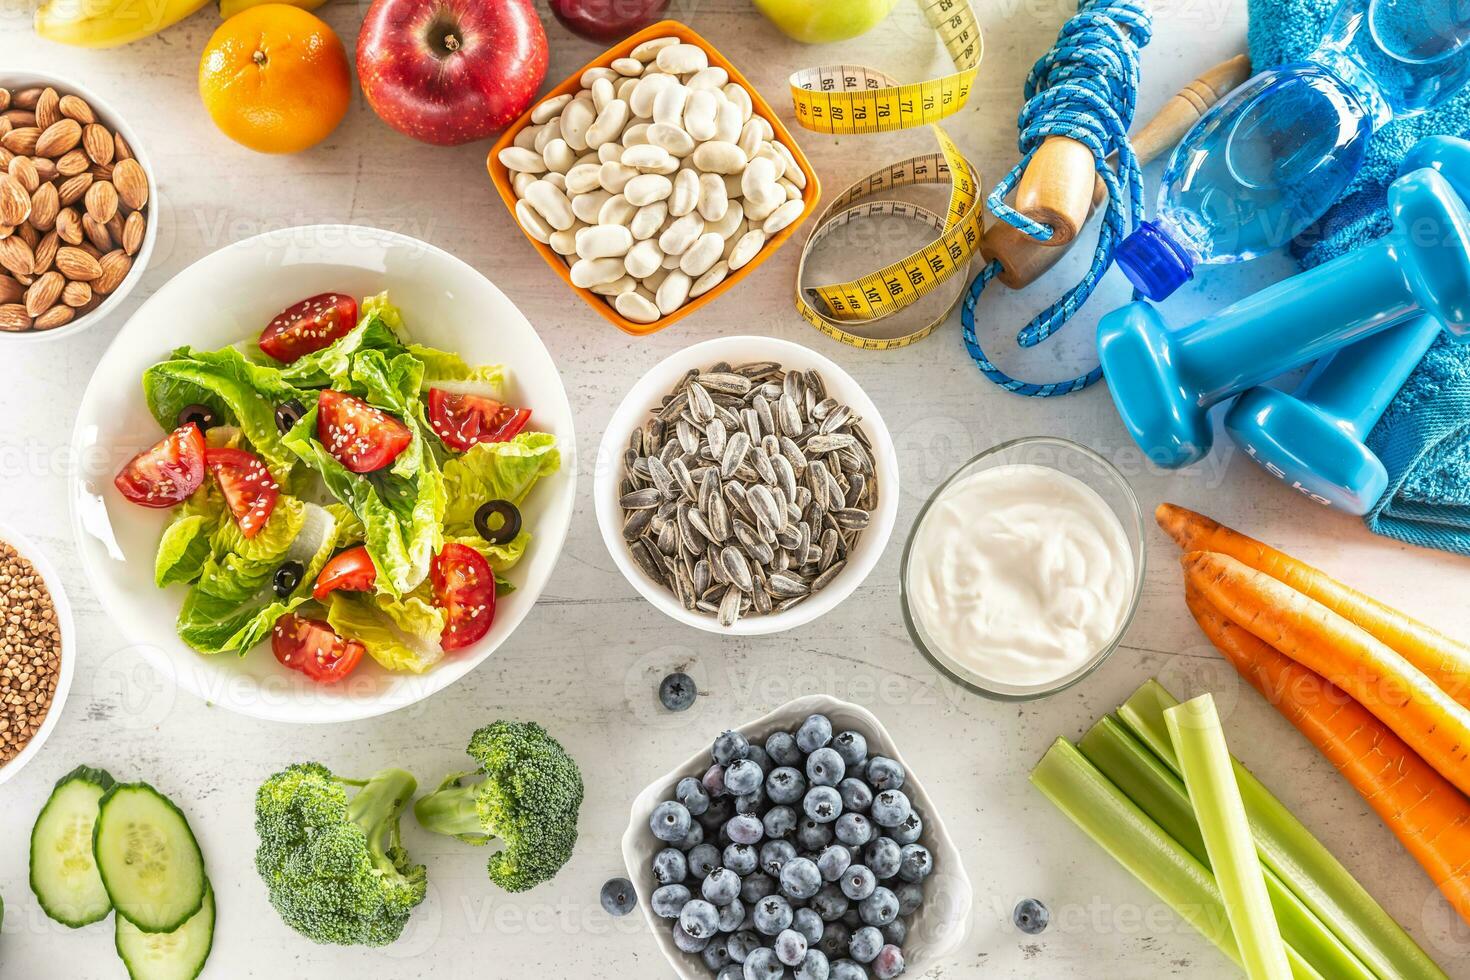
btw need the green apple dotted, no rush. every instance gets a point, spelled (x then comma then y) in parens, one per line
(825, 21)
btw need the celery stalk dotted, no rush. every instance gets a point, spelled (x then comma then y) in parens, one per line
(1135, 841)
(1302, 862)
(1150, 784)
(1199, 744)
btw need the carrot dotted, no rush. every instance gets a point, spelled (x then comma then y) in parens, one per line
(1442, 659)
(1428, 815)
(1433, 723)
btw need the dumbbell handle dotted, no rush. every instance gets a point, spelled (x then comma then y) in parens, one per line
(1357, 383)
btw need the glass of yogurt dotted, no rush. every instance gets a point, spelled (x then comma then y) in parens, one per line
(1024, 569)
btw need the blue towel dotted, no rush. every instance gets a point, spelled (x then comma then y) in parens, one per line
(1424, 438)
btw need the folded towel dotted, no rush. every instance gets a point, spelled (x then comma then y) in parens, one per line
(1424, 438)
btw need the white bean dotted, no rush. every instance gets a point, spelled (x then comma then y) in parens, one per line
(591, 75)
(564, 243)
(649, 220)
(604, 241)
(650, 159)
(615, 176)
(609, 153)
(616, 288)
(733, 190)
(793, 193)
(674, 292)
(533, 223)
(728, 122)
(609, 124)
(617, 211)
(551, 204)
(713, 78)
(575, 121)
(526, 138)
(747, 248)
(630, 67)
(588, 206)
(679, 59)
(559, 181)
(668, 104)
(709, 280)
(603, 93)
(521, 181)
(636, 135)
(720, 158)
(523, 159)
(592, 158)
(647, 188)
(671, 138)
(550, 109)
(584, 177)
(783, 216)
(671, 262)
(636, 307)
(643, 259)
(642, 99)
(648, 50)
(558, 156)
(713, 201)
(736, 93)
(793, 173)
(545, 134)
(656, 279)
(699, 115)
(762, 204)
(759, 177)
(730, 223)
(587, 273)
(734, 239)
(700, 257)
(767, 151)
(686, 193)
(683, 233)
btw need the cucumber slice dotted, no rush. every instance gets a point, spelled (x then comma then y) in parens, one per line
(63, 870)
(148, 858)
(177, 955)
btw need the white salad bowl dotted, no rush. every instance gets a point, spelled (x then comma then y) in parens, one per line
(936, 930)
(646, 395)
(226, 298)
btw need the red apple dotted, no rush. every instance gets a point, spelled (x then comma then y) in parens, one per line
(608, 20)
(451, 71)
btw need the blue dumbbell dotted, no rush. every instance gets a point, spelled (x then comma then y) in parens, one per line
(1165, 381)
(1313, 440)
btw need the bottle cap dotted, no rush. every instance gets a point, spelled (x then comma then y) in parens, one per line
(1153, 262)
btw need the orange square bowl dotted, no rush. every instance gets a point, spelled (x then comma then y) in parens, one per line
(501, 175)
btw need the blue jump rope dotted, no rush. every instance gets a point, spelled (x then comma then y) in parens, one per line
(1085, 88)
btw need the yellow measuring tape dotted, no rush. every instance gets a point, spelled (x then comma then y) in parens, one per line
(849, 100)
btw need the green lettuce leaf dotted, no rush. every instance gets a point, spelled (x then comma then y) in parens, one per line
(399, 633)
(495, 471)
(187, 542)
(442, 366)
(379, 327)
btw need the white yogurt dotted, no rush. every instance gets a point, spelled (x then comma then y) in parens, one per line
(1020, 574)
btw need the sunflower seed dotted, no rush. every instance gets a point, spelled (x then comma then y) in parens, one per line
(714, 434)
(636, 524)
(730, 608)
(835, 419)
(762, 463)
(784, 586)
(735, 449)
(852, 518)
(645, 561)
(825, 579)
(827, 443)
(645, 499)
(737, 568)
(830, 542)
(701, 577)
(725, 382)
(701, 406)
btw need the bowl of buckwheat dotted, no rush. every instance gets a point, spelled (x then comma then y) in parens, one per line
(37, 650)
(746, 485)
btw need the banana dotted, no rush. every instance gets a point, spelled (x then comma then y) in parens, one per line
(108, 23)
(229, 8)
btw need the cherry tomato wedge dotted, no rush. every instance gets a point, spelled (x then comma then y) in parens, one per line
(167, 473)
(249, 489)
(314, 648)
(310, 325)
(463, 420)
(350, 571)
(360, 436)
(464, 587)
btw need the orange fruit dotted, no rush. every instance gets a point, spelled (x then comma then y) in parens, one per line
(275, 78)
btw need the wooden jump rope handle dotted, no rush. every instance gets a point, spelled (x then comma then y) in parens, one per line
(1061, 188)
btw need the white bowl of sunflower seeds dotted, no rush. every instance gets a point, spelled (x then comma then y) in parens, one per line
(39, 650)
(746, 486)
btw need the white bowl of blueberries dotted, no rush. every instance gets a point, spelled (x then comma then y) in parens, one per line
(798, 847)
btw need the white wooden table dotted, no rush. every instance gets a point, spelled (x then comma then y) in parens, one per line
(586, 661)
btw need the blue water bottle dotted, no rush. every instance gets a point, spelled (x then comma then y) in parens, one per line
(1270, 158)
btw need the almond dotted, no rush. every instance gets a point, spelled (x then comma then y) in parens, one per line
(6, 231)
(59, 137)
(97, 234)
(115, 229)
(115, 266)
(131, 183)
(10, 290)
(88, 247)
(45, 169)
(5, 155)
(45, 205)
(72, 189)
(122, 150)
(76, 294)
(55, 317)
(75, 107)
(22, 118)
(101, 201)
(76, 264)
(4, 99)
(5, 125)
(15, 202)
(72, 162)
(97, 141)
(48, 108)
(23, 170)
(26, 98)
(69, 226)
(28, 234)
(46, 251)
(44, 293)
(133, 231)
(14, 318)
(22, 139)
(17, 256)
(101, 171)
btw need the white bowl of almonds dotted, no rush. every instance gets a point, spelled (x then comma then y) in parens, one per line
(750, 497)
(37, 650)
(77, 207)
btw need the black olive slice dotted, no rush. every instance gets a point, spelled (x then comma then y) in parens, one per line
(288, 414)
(287, 578)
(498, 521)
(201, 415)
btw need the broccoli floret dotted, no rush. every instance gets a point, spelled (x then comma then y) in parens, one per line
(528, 799)
(334, 867)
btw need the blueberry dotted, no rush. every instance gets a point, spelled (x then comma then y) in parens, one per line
(908, 831)
(879, 908)
(775, 854)
(745, 828)
(669, 901)
(790, 947)
(677, 691)
(825, 767)
(785, 784)
(782, 748)
(813, 966)
(890, 808)
(731, 972)
(762, 964)
(756, 887)
(741, 858)
(670, 822)
(780, 822)
(800, 879)
(834, 860)
(760, 757)
(910, 897)
(847, 970)
(895, 932)
(813, 836)
(852, 919)
(822, 803)
(809, 924)
(830, 903)
(732, 915)
(1031, 916)
(856, 794)
(688, 943)
(713, 780)
(752, 802)
(853, 829)
(858, 883)
(865, 944)
(772, 914)
(670, 866)
(889, 963)
(729, 747)
(703, 859)
(700, 919)
(916, 863)
(716, 955)
(835, 937)
(742, 944)
(852, 746)
(858, 769)
(814, 733)
(693, 839)
(618, 897)
(721, 808)
(743, 776)
(721, 887)
(884, 856)
(690, 792)
(884, 773)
